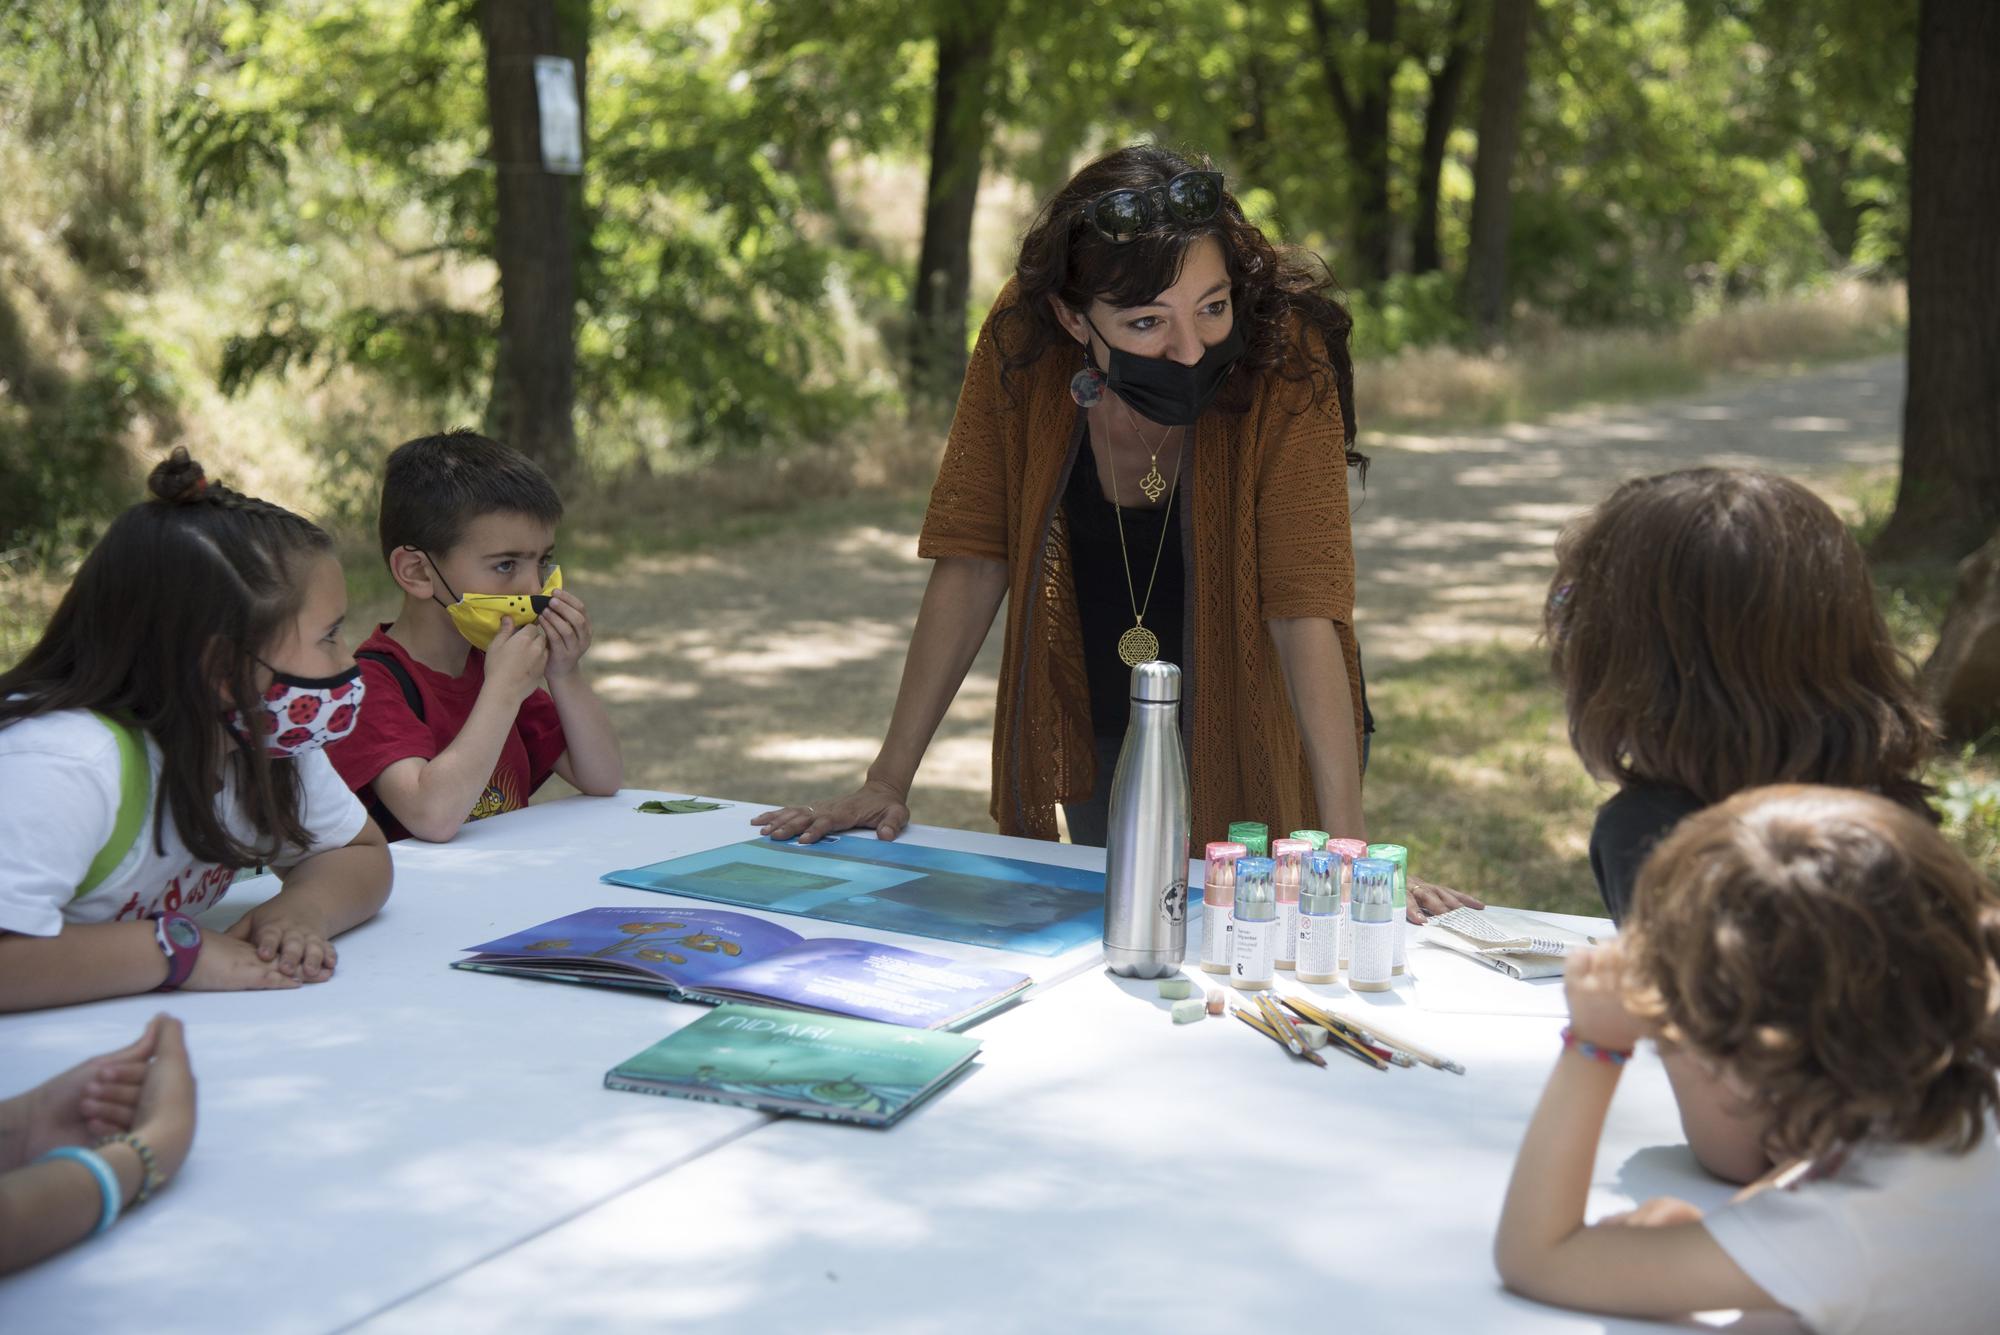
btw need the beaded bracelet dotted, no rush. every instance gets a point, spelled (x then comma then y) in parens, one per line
(1609, 1056)
(150, 1177)
(107, 1181)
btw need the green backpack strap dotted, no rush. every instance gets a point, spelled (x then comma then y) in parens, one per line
(135, 788)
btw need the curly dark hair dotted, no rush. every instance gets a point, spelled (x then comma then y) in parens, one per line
(1280, 296)
(1716, 629)
(1835, 957)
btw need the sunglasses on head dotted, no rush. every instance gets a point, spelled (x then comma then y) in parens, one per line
(1121, 215)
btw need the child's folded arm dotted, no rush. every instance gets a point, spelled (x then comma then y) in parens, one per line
(324, 895)
(591, 762)
(433, 797)
(82, 962)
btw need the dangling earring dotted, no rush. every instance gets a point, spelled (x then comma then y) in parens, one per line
(1087, 387)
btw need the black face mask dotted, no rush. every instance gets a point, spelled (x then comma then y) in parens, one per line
(1162, 390)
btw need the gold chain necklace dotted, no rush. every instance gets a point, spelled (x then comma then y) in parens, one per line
(1139, 645)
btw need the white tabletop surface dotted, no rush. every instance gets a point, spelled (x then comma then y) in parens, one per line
(414, 1148)
(357, 1139)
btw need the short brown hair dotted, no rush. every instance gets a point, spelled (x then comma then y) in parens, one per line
(1716, 629)
(435, 486)
(1835, 956)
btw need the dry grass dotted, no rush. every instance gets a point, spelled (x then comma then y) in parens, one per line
(1546, 370)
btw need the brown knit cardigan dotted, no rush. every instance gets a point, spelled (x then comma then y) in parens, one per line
(1265, 532)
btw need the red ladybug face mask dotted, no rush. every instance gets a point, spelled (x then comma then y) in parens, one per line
(301, 714)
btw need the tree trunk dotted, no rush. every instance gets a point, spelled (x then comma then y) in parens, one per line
(534, 373)
(958, 143)
(1446, 87)
(1365, 118)
(1501, 90)
(1948, 501)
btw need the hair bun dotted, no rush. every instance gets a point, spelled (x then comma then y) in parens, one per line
(177, 479)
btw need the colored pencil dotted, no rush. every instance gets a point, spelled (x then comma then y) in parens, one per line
(1263, 1027)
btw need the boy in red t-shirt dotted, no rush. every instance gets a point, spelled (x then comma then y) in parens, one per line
(458, 725)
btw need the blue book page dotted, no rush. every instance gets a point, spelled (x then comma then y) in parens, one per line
(1002, 903)
(873, 981)
(686, 947)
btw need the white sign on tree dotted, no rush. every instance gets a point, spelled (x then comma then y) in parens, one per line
(562, 116)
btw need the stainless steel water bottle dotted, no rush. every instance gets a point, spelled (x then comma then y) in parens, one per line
(1146, 839)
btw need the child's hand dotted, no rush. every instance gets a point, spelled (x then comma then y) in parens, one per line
(1659, 1212)
(164, 1118)
(295, 943)
(516, 660)
(92, 1099)
(1593, 983)
(230, 964)
(567, 624)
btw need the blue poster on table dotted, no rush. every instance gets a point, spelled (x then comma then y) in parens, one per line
(1003, 903)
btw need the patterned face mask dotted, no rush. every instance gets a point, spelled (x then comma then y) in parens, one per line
(302, 714)
(477, 615)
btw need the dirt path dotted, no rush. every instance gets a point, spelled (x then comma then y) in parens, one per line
(766, 670)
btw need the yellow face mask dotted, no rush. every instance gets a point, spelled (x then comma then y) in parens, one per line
(477, 615)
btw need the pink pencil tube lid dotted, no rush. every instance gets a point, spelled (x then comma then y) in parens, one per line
(1218, 883)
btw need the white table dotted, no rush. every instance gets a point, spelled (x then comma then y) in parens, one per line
(412, 1148)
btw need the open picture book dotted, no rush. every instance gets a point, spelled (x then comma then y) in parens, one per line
(811, 1066)
(712, 956)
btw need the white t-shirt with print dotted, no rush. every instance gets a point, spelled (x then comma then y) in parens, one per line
(1898, 1238)
(59, 790)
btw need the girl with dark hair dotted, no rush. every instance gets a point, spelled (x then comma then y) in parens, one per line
(1149, 459)
(166, 732)
(1713, 630)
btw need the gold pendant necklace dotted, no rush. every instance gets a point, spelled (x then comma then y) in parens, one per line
(1139, 645)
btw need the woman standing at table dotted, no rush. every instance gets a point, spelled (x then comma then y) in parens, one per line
(1149, 459)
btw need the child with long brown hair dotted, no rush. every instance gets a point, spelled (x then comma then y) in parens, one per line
(1714, 630)
(166, 732)
(1835, 964)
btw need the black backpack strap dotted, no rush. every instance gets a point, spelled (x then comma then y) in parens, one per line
(402, 676)
(384, 818)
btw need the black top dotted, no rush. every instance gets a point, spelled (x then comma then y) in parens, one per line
(1627, 828)
(1103, 602)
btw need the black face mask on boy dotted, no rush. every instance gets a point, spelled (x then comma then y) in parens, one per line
(1162, 390)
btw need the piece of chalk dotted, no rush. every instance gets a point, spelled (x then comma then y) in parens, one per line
(1312, 1035)
(1189, 1009)
(1215, 1003)
(1177, 987)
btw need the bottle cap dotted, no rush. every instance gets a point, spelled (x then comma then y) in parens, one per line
(1347, 848)
(1156, 682)
(1319, 891)
(1374, 890)
(1218, 885)
(1317, 838)
(1395, 853)
(1256, 897)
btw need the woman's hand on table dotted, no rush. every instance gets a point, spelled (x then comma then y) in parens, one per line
(873, 806)
(1427, 900)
